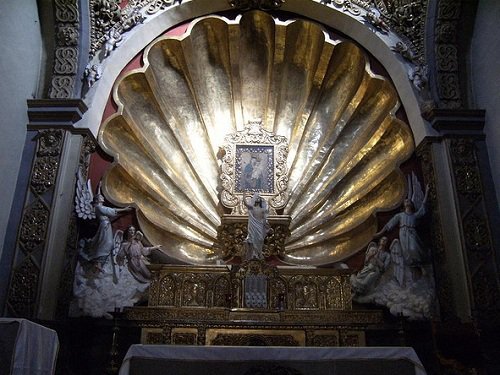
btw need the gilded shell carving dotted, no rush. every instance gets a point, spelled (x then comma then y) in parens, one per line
(345, 144)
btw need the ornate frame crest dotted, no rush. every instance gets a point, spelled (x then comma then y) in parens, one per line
(254, 161)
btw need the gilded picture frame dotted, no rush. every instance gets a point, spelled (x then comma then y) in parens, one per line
(254, 161)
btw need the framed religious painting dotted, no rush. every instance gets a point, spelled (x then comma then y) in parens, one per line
(254, 161)
(254, 169)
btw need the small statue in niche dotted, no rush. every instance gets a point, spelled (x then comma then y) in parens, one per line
(258, 225)
(406, 285)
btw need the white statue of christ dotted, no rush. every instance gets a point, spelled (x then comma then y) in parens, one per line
(258, 225)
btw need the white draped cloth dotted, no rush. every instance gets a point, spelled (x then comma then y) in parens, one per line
(35, 348)
(212, 357)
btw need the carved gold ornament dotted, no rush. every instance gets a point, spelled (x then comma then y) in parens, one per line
(345, 144)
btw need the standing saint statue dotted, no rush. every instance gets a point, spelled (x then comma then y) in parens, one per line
(258, 225)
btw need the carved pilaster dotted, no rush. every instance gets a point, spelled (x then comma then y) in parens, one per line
(33, 231)
(64, 77)
(462, 141)
(47, 221)
(446, 54)
(65, 290)
(480, 254)
(443, 283)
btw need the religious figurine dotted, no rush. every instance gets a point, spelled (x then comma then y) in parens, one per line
(405, 286)
(377, 260)
(100, 246)
(413, 250)
(377, 21)
(418, 75)
(252, 176)
(113, 286)
(404, 51)
(258, 225)
(93, 72)
(113, 40)
(132, 19)
(135, 252)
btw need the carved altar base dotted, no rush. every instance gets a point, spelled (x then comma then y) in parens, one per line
(205, 305)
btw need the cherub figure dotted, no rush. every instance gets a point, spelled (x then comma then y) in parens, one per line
(93, 72)
(113, 40)
(377, 21)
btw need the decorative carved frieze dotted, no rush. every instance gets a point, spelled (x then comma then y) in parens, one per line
(256, 4)
(44, 173)
(34, 225)
(218, 287)
(251, 339)
(66, 61)
(67, 35)
(233, 232)
(62, 87)
(407, 19)
(184, 338)
(50, 142)
(446, 54)
(66, 50)
(108, 17)
(66, 11)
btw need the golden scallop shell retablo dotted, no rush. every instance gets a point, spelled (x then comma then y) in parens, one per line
(345, 144)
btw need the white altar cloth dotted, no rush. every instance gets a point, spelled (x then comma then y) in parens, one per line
(35, 348)
(331, 357)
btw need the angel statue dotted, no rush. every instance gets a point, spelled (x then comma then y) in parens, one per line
(123, 280)
(377, 260)
(134, 252)
(258, 225)
(92, 207)
(412, 250)
(405, 286)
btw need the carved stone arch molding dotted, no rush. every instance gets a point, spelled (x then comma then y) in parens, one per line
(140, 36)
